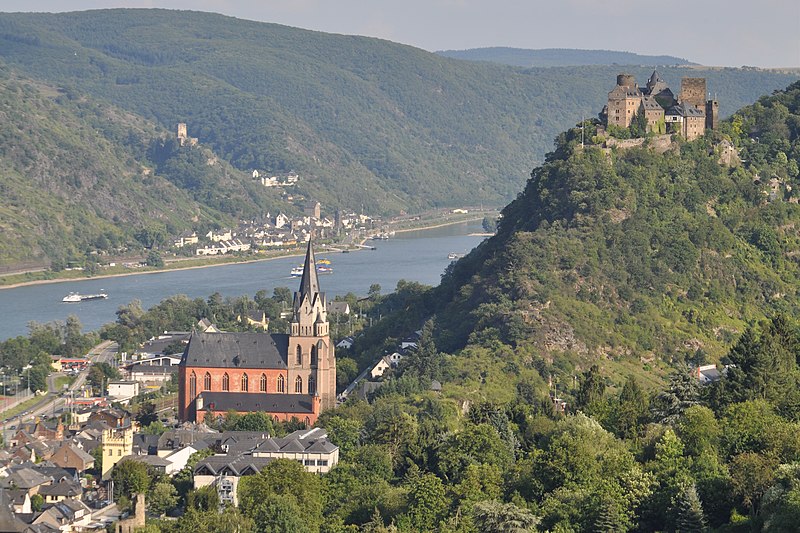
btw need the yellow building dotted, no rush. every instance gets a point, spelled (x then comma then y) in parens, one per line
(117, 442)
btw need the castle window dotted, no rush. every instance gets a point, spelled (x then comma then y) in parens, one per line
(312, 385)
(226, 382)
(207, 382)
(262, 386)
(298, 385)
(244, 382)
(299, 357)
(313, 356)
(192, 385)
(281, 386)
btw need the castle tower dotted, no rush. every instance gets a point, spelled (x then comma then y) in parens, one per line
(311, 360)
(712, 114)
(623, 101)
(693, 92)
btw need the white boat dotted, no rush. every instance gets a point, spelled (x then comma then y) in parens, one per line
(75, 297)
(454, 255)
(297, 272)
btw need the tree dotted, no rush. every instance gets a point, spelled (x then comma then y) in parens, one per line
(683, 392)
(285, 478)
(631, 410)
(37, 378)
(130, 478)
(752, 474)
(227, 521)
(203, 499)
(426, 362)
(427, 502)
(162, 498)
(497, 517)
(374, 291)
(691, 518)
(37, 502)
(344, 432)
(281, 514)
(254, 422)
(147, 414)
(591, 388)
(346, 371)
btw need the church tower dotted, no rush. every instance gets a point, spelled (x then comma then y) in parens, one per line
(310, 359)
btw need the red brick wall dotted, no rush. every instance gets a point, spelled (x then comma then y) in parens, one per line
(235, 382)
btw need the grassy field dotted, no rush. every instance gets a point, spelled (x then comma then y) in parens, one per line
(24, 406)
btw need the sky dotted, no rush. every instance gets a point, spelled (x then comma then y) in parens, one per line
(763, 33)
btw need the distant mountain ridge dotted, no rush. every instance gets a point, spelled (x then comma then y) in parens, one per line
(560, 57)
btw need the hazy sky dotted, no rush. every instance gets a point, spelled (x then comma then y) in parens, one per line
(762, 33)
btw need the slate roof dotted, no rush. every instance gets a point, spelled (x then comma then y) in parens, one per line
(649, 103)
(24, 478)
(685, 110)
(232, 464)
(624, 92)
(65, 488)
(9, 522)
(248, 401)
(154, 369)
(236, 350)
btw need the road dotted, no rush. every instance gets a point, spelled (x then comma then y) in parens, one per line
(53, 402)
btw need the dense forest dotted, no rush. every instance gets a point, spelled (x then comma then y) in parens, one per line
(364, 122)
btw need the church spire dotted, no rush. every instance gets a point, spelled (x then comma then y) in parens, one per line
(309, 283)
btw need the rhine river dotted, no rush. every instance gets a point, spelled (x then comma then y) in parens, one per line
(414, 256)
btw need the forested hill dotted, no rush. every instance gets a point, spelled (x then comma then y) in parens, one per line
(634, 254)
(364, 122)
(559, 57)
(80, 176)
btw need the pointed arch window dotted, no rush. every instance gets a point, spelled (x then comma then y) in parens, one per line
(244, 383)
(298, 385)
(226, 381)
(299, 356)
(281, 384)
(312, 385)
(207, 382)
(313, 355)
(192, 385)
(262, 385)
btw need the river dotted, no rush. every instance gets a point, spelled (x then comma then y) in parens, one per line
(414, 256)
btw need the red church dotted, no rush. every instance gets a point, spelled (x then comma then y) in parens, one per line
(286, 376)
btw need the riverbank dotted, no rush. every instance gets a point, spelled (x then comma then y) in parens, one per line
(11, 282)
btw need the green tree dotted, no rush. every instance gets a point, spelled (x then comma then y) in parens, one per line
(752, 474)
(161, 498)
(691, 518)
(592, 388)
(254, 422)
(37, 502)
(346, 371)
(130, 478)
(287, 479)
(427, 502)
(281, 514)
(496, 517)
(203, 499)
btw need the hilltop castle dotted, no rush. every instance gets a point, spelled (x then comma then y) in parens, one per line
(688, 115)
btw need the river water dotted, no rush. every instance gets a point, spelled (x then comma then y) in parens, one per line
(414, 256)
